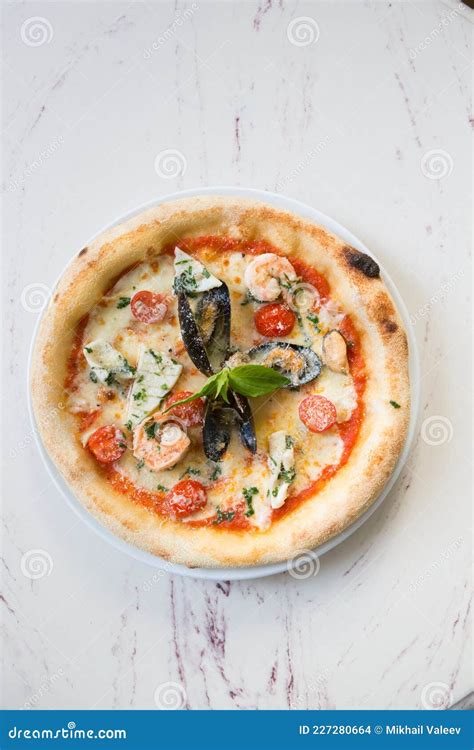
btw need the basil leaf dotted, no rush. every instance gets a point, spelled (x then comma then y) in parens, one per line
(256, 380)
(211, 388)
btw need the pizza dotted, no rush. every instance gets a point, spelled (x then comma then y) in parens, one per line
(222, 383)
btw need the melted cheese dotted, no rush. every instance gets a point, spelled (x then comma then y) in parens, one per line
(276, 413)
(191, 274)
(281, 461)
(156, 375)
(106, 362)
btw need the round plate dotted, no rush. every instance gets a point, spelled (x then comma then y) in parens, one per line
(257, 571)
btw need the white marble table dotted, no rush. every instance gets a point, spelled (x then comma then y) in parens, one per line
(361, 111)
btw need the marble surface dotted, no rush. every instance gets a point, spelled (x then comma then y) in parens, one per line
(360, 109)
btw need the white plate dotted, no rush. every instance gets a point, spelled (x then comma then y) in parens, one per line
(257, 571)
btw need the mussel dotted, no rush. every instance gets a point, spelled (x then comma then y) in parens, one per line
(298, 363)
(205, 328)
(245, 420)
(219, 420)
(216, 432)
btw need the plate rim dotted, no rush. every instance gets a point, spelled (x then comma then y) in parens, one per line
(258, 571)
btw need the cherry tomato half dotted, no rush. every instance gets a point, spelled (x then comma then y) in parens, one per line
(274, 320)
(317, 413)
(107, 444)
(190, 414)
(186, 497)
(149, 307)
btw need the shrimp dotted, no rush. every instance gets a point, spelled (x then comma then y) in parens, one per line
(160, 442)
(265, 275)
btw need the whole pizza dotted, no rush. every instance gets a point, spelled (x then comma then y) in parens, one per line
(222, 383)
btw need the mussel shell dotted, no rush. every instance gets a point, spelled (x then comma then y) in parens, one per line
(213, 319)
(191, 335)
(310, 362)
(245, 419)
(219, 420)
(206, 331)
(217, 428)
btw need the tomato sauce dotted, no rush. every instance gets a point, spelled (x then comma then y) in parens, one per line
(348, 431)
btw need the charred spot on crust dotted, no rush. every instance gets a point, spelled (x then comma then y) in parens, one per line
(362, 262)
(389, 326)
(82, 252)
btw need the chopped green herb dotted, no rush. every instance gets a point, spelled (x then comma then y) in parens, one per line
(162, 488)
(206, 273)
(157, 357)
(223, 515)
(123, 445)
(248, 298)
(185, 282)
(215, 474)
(123, 302)
(395, 405)
(93, 376)
(287, 475)
(289, 442)
(248, 493)
(88, 349)
(140, 395)
(314, 320)
(128, 425)
(190, 470)
(110, 379)
(140, 464)
(150, 430)
(275, 491)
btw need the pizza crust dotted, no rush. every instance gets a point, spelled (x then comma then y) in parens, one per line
(362, 294)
